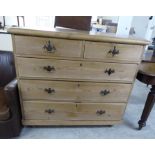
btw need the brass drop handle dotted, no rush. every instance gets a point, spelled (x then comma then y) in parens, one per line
(100, 112)
(109, 71)
(49, 68)
(49, 47)
(104, 92)
(49, 111)
(49, 90)
(114, 51)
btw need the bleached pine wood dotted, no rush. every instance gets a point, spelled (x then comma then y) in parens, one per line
(49, 122)
(72, 111)
(100, 51)
(35, 46)
(78, 35)
(75, 70)
(79, 63)
(74, 91)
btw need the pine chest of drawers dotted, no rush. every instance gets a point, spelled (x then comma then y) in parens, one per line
(74, 78)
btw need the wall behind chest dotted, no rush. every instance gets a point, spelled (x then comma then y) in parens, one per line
(6, 42)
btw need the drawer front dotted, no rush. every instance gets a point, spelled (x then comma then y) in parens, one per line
(110, 51)
(38, 46)
(74, 91)
(36, 110)
(75, 70)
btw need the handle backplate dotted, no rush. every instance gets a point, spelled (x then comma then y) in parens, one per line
(49, 90)
(114, 51)
(49, 111)
(49, 68)
(104, 92)
(49, 47)
(100, 112)
(109, 71)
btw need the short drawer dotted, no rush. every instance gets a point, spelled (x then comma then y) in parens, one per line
(113, 52)
(51, 47)
(74, 91)
(41, 110)
(75, 70)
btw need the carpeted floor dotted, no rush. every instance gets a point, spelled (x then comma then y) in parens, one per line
(128, 129)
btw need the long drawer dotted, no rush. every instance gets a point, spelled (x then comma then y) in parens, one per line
(74, 91)
(41, 110)
(75, 70)
(110, 51)
(50, 47)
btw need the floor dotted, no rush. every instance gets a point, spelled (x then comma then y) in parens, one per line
(126, 130)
